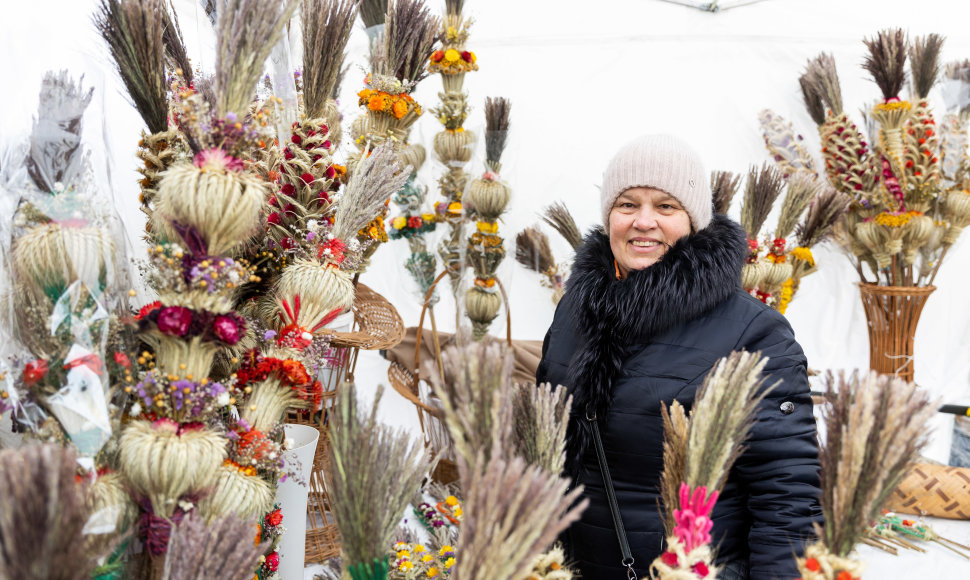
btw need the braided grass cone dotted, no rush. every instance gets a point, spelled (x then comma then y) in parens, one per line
(331, 115)
(246, 496)
(52, 255)
(957, 212)
(916, 234)
(268, 403)
(224, 207)
(482, 307)
(163, 465)
(454, 146)
(108, 500)
(158, 152)
(322, 288)
(412, 155)
(875, 238)
(487, 198)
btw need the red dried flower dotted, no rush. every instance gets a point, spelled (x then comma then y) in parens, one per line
(294, 372)
(670, 559)
(174, 320)
(414, 222)
(307, 178)
(122, 360)
(274, 518)
(148, 309)
(35, 371)
(466, 56)
(812, 564)
(226, 329)
(274, 218)
(287, 154)
(296, 139)
(272, 561)
(702, 570)
(330, 172)
(437, 55)
(287, 189)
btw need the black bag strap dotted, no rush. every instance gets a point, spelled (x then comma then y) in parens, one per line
(611, 497)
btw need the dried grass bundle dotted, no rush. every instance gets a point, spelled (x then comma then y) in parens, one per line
(724, 186)
(410, 34)
(761, 190)
(43, 516)
(454, 6)
(376, 178)
(55, 139)
(496, 129)
(474, 393)
(373, 12)
(175, 45)
(822, 80)
(676, 431)
(812, 98)
(532, 250)
(802, 189)
(376, 471)
(134, 31)
(875, 427)
(886, 61)
(246, 32)
(539, 417)
(722, 416)
(557, 215)
(221, 549)
(513, 513)
(823, 213)
(326, 30)
(924, 63)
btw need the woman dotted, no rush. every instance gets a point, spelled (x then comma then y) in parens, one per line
(653, 301)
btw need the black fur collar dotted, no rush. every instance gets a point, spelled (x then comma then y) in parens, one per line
(695, 275)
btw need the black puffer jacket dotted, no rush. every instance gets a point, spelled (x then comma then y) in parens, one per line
(626, 346)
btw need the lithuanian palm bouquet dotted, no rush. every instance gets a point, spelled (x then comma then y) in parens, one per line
(698, 453)
(774, 266)
(533, 251)
(454, 144)
(874, 431)
(388, 109)
(486, 200)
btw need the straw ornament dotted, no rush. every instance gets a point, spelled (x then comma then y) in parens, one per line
(246, 496)
(164, 464)
(784, 145)
(481, 307)
(322, 288)
(222, 206)
(454, 146)
(820, 564)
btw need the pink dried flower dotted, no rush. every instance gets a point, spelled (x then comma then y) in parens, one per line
(174, 320)
(216, 159)
(692, 526)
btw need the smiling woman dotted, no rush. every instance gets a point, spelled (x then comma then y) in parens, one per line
(654, 300)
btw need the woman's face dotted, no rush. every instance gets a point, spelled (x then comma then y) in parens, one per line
(644, 223)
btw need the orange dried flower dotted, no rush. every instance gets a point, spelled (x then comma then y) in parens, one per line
(399, 108)
(376, 103)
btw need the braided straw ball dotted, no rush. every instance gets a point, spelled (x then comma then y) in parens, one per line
(109, 493)
(164, 465)
(487, 198)
(875, 238)
(454, 146)
(482, 307)
(246, 496)
(54, 254)
(916, 234)
(412, 155)
(957, 212)
(322, 289)
(224, 207)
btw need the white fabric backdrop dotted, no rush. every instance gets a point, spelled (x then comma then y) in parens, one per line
(583, 78)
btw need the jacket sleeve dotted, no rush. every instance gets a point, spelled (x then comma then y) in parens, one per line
(780, 467)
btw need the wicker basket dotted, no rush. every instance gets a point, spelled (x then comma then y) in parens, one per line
(406, 384)
(377, 325)
(933, 490)
(892, 313)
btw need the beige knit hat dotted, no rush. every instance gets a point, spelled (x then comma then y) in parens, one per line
(662, 162)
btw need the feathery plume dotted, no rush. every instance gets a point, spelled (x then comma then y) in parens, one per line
(175, 45)
(223, 548)
(924, 62)
(802, 189)
(496, 128)
(376, 179)
(539, 418)
(557, 215)
(824, 211)
(326, 30)
(724, 186)
(246, 32)
(513, 513)
(886, 61)
(676, 427)
(875, 427)
(376, 471)
(761, 190)
(373, 12)
(812, 98)
(532, 250)
(43, 516)
(133, 31)
(409, 36)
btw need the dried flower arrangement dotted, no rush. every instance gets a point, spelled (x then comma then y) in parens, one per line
(532, 249)
(397, 66)
(486, 199)
(698, 454)
(454, 145)
(775, 267)
(908, 205)
(874, 430)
